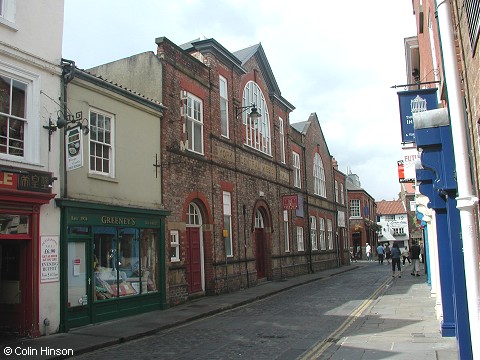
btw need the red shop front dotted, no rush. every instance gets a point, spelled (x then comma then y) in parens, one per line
(22, 194)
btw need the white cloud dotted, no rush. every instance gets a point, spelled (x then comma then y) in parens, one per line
(338, 59)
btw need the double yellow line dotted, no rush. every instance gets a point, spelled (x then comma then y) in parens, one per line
(323, 345)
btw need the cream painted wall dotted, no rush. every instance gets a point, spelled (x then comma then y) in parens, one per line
(136, 181)
(141, 72)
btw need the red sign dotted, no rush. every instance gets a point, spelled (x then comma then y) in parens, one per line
(290, 202)
(8, 180)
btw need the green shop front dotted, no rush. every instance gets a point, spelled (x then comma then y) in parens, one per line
(113, 262)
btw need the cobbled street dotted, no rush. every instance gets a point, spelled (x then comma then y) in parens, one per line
(283, 326)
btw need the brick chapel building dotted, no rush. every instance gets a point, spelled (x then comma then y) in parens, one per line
(225, 173)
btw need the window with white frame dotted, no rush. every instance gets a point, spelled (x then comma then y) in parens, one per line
(319, 184)
(13, 116)
(282, 140)
(398, 231)
(227, 223)
(355, 208)
(342, 194)
(321, 227)
(336, 191)
(257, 131)
(224, 107)
(313, 232)
(296, 170)
(472, 10)
(7, 12)
(193, 113)
(174, 246)
(330, 234)
(286, 230)
(101, 143)
(259, 224)
(300, 241)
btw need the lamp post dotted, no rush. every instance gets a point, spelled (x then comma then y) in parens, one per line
(254, 114)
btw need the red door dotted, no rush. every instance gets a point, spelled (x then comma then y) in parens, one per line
(260, 253)
(194, 264)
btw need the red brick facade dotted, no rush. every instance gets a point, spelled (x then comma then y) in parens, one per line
(255, 180)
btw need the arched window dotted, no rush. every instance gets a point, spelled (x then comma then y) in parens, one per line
(257, 131)
(319, 187)
(194, 216)
(259, 220)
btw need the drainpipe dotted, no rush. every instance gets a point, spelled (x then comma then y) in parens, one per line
(68, 73)
(465, 200)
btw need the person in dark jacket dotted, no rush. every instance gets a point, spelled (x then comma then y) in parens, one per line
(395, 254)
(415, 257)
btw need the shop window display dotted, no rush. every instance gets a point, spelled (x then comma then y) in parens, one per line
(125, 261)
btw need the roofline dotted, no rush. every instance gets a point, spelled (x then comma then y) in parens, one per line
(105, 84)
(224, 54)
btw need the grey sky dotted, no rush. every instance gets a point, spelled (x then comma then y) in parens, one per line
(338, 59)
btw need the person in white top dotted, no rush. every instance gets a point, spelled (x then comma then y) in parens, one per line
(368, 251)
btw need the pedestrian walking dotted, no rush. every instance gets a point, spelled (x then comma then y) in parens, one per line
(396, 260)
(352, 257)
(380, 254)
(368, 251)
(406, 256)
(388, 253)
(415, 256)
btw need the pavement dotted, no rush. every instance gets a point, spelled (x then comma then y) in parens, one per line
(397, 322)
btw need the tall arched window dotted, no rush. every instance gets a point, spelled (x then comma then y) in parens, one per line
(319, 176)
(257, 131)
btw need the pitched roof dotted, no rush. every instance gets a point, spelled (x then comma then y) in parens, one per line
(409, 188)
(390, 207)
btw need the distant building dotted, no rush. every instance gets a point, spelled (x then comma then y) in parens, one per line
(362, 216)
(407, 195)
(392, 218)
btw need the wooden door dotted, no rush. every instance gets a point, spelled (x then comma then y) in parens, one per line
(194, 264)
(260, 253)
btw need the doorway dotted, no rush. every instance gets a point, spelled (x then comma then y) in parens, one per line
(195, 269)
(12, 282)
(260, 245)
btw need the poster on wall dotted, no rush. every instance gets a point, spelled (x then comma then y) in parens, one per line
(414, 101)
(74, 148)
(49, 259)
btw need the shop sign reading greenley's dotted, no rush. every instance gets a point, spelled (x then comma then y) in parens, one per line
(108, 220)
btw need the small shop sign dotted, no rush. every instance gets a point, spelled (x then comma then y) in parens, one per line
(49, 259)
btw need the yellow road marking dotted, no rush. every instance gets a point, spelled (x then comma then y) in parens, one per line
(321, 346)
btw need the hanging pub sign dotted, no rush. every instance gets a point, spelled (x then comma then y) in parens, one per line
(414, 101)
(74, 152)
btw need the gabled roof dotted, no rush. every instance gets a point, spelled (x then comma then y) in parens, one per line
(301, 127)
(246, 54)
(390, 207)
(204, 45)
